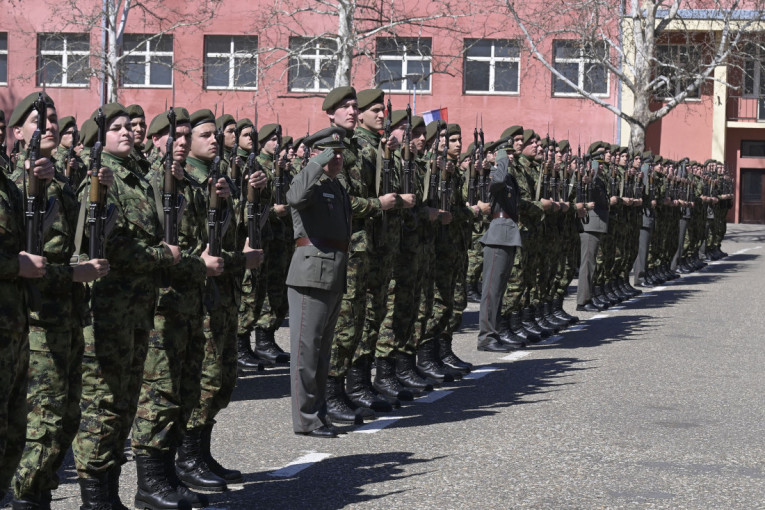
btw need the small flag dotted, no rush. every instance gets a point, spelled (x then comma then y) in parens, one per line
(439, 114)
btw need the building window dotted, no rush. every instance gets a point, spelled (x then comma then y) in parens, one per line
(491, 66)
(677, 65)
(312, 64)
(3, 58)
(751, 186)
(231, 62)
(147, 61)
(64, 60)
(753, 148)
(404, 64)
(580, 64)
(754, 81)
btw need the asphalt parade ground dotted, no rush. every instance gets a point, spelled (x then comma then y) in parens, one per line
(658, 403)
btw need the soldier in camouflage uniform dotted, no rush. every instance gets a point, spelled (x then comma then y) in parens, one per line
(16, 266)
(138, 126)
(227, 125)
(123, 305)
(74, 168)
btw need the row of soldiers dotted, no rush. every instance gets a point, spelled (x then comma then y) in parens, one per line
(144, 337)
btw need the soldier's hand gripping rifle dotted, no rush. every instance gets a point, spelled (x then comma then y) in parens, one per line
(101, 217)
(173, 203)
(406, 154)
(70, 152)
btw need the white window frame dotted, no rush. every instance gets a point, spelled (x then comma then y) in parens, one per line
(314, 54)
(233, 65)
(5, 52)
(582, 61)
(405, 59)
(689, 98)
(65, 54)
(148, 54)
(492, 60)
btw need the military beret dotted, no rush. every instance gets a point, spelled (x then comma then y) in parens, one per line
(336, 96)
(594, 147)
(21, 112)
(111, 111)
(89, 133)
(397, 117)
(287, 140)
(544, 142)
(528, 134)
(417, 121)
(243, 124)
(510, 132)
(646, 156)
(160, 123)
(563, 145)
(148, 145)
(657, 159)
(65, 123)
(694, 163)
(203, 116)
(224, 120)
(709, 161)
(135, 110)
(328, 138)
(431, 129)
(453, 129)
(492, 146)
(298, 142)
(369, 97)
(267, 132)
(623, 150)
(464, 156)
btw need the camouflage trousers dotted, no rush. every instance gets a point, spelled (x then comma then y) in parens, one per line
(401, 311)
(568, 265)
(523, 275)
(170, 387)
(378, 278)
(423, 295)
(475, 254)
(549, 259)
(252, 301)
(444, 283)
(14, 364)
(53, 405)
(350, 321)
(277, 263)
(460, 295)
(218, 367)
(112, 370)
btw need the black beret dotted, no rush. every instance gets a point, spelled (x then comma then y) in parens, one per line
(267, 132)
(369, 97)
(511, 132)
(336, 96)
(88, 133)
(396, 117)
(329, 138)
(111, 112)
(417, 121)
(21, 112)
(65, 123)
(224, 120)
(160, 123)
(200, 117)
(135, 110)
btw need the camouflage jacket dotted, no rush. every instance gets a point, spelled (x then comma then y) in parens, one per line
(142, 163)
(13, 303)
(61, 299)
(278, 228)
(78, 174)
(128, 294)
(530, 211)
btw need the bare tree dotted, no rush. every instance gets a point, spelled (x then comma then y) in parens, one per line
(112, 59)
(663, 54)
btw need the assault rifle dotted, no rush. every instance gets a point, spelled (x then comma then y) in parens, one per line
(101, 217)
(445, 187)
(217, 213)
(255, 211)
(406, 154)
(432, 192)
(582, 191)
(15, 153)
(173, 203)
(473, 175)
(484, 172)
(279, 177)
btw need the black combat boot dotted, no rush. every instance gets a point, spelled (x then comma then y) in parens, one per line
(448, 358)
(428, 363)
(196, 499)
(28, 504)
(245, 358)
(531, 327)
(611, 296)
(598, 299)
(561, 314)
(266, 348)
(191, 467)
(547, 328)
(114, 488)
(520, 330)
(359, 390)
(507, 336)
(407, 375)
(95, 492)
(155, 490)
(339, 408)
(474, 293)
(386, 383)
(549, 312)
(229, 475)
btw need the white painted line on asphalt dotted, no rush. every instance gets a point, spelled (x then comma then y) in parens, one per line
(658, 289)
(598, 317)
(515, 356)
(578, 327)
(478, 373)
(617, 308)
(716, 262)
(744, 250)
(377, 425)
(299, 464)
(433, 396)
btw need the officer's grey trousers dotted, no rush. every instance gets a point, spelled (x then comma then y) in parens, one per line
(588, 246)
(642, 259)
(497, 264)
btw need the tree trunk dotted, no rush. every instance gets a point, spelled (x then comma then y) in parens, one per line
(345, 30)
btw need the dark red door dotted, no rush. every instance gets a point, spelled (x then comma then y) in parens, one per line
(752, 195)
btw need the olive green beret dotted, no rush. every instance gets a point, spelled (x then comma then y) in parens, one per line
(417, 121)
(464, 156)
(111, 112)
(336, 96)
(397, 117)
(657, 159)
(453, 129)
(528, 134)
(510, 132)
(544, 142)
(431, 130)
(694, 163)
(287, 140)
(298, 142)
(203, 116)
(135, 110)
(709, 161)
(563, 145)
(613, 148)
(492, 146)
(646, 156)
(65, 123)
(243, 124)
(89, 133)
(267, 132)
(369, 97)
(160, 123)
(594, 147)
(21, 112)
(329, 138)
(224, 120)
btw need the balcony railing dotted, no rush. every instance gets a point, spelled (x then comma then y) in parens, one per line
(746, 108)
